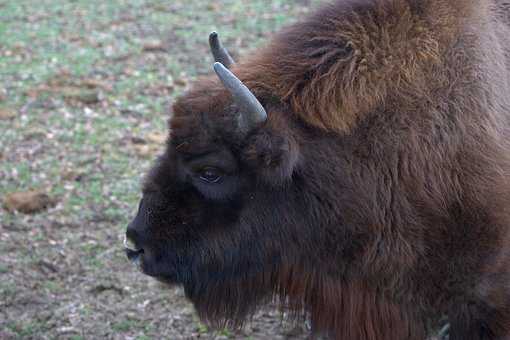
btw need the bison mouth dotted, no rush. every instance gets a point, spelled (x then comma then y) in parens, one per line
(133, 253)
(151, 263)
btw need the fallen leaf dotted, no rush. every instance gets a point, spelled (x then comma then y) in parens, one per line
(85, 96)
(121, 57)
(3, 95)
(47, 266)
(96, 83)
(156, 137)
(71, 175)
(160, 8)
(6, 113)
(153, 46)
(146, 150)
(138, 140)
(61, 78)
(28, 202)
(158, 90)
(180, 82)
(213, 7)
(128, 71)
(67, 331)
(35, 133)
(36, 91)
(100, 288)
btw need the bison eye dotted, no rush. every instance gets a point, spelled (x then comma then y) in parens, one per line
(210, 175)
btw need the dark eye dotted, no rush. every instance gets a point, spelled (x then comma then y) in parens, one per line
(211, 175)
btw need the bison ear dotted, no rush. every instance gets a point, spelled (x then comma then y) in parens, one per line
(272, 152)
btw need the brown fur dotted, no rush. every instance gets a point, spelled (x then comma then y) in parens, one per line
(374, 200)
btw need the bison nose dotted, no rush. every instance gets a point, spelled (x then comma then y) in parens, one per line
(131, 246)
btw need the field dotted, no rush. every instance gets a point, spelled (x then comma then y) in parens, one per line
(85, 87)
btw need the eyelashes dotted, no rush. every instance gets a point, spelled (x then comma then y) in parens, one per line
(225, 188)
(210, 175)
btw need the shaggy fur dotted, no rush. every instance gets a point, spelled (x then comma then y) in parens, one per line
(374, 200)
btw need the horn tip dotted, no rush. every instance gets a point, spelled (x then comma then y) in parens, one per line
(218, 66)
(214, 41)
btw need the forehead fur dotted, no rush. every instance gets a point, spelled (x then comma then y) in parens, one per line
(202, 115)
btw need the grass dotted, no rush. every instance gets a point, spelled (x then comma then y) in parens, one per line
(84, 87)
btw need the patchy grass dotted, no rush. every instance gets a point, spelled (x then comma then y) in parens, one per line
(88, 82)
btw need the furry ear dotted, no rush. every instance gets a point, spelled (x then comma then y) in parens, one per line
(272, 152)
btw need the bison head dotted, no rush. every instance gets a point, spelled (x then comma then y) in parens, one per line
(223, 208)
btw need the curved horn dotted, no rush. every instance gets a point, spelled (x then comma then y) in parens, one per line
(220, 54)
(252, 112)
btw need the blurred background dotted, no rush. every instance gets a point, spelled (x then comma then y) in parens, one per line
(84, 90)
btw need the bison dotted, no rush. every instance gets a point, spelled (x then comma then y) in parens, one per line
(356, 170)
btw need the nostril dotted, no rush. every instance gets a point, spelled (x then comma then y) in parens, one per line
(133, 255)
(132, 237)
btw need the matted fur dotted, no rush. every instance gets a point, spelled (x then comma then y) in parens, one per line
(375, 199)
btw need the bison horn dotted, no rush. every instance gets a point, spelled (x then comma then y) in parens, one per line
(220, 54)
(252, 112)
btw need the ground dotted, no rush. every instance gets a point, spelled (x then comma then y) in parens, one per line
(85, 87)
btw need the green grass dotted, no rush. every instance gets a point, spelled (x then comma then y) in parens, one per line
(29, 330)
(76, 337)
(44, 41)
(52, 286)
(123, 326)
(7, 289)
(49, 49)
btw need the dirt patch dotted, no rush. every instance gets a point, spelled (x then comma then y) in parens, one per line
(6, 113)
(28, 202)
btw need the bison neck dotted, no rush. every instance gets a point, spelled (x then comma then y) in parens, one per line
(349, 309)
